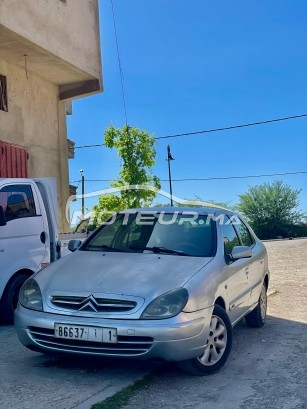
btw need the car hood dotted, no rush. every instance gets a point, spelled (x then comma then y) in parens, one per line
(136, 274)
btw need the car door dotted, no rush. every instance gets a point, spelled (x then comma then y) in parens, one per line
(256, 266)
(235, 274)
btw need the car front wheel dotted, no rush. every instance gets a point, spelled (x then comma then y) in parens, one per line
(9, 299)
(218, 346)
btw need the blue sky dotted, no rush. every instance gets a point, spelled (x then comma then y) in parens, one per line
(191, 65)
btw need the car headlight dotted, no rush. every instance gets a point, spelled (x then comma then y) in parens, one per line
(166, 305)
(30, 295)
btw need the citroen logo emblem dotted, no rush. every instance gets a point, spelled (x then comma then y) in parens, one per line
(89, 304)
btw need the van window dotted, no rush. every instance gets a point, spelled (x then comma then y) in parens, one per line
(17, 201)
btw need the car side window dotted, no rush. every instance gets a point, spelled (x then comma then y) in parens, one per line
(106, 237)
(230, 238)
(244, 234)
(17, 201)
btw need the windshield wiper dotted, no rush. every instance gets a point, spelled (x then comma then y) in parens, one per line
(156, 249)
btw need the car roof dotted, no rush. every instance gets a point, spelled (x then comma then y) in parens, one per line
(173, 209)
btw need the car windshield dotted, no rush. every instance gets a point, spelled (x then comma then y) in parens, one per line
(157, 232)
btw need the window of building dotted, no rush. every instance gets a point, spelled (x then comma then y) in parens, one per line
(3, 93)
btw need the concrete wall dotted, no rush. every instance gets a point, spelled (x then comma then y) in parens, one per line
(50, 53)
(69, 30)
(36, 119)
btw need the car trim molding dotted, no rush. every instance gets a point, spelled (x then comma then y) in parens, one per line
(234, 303)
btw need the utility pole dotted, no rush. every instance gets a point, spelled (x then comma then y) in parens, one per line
(82, 199)
(169, 158)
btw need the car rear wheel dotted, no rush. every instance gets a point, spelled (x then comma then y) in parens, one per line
(218, 346)
(256, 318)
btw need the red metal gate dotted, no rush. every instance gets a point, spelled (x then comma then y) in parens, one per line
(13, 161)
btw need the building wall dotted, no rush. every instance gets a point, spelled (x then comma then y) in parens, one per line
(68, 30)
(50, 54)
(36, 119)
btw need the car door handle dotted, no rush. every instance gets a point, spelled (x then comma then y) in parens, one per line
(261, 260)
(43, 237)
(247, 270)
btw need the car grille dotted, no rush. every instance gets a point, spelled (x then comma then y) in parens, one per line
(125, 346)
(76, 303)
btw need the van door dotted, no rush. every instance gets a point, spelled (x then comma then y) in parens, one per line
(24, 240)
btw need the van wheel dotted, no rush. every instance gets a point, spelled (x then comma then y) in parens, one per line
(256, 318)
(217, 349)
(9, 299)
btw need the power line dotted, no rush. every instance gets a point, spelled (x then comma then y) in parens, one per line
(227, 128)
(233, 127)
(119, 66)
(236, 177)
(206, 179)
(89, 146)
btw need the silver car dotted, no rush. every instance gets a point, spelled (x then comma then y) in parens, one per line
(164, 283)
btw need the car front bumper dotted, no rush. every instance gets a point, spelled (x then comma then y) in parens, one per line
(175, 339)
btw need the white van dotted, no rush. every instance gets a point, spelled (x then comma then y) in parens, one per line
(28, 235)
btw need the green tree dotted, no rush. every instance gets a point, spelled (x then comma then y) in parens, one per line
(271, 209)
(226, 205)
(137, 151)
(197, 198)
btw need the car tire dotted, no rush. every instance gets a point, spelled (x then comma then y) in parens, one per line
(9, 299)
(217, 349)
(256, 318)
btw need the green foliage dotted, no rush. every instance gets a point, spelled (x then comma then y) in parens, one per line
(197, 198)
(122, 398)
(161, 204)
(226, 205)
(137, 151)
(271, 209)
(297, 230)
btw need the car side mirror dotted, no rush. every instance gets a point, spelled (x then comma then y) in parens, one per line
(73, 245)
(2, 217)
(241, 252)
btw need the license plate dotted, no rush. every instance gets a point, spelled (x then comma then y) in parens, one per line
(84, 333)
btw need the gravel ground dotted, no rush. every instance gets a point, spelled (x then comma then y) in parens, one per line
(267, 367)
(288, 267)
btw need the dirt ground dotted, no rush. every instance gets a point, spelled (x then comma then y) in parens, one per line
(288, 267)
(267, 366)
